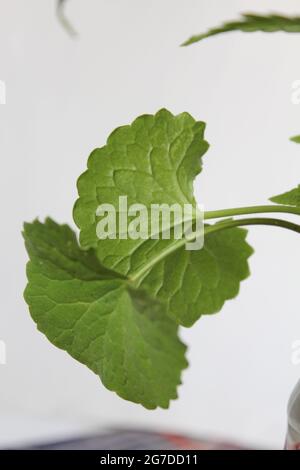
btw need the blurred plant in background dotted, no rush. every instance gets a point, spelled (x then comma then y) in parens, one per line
(63, 19)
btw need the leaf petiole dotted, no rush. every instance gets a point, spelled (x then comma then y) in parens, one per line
(251, 210)
(252, 221)
(222, 225)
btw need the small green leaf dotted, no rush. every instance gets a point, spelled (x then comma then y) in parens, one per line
(251, 23)
(290, 198)
(117, 331)
(195, 283)
(295, 139)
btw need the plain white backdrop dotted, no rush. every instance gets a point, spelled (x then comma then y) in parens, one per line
(64, 96)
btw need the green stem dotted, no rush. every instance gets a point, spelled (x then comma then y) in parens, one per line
(252, 221)
(223, 225)
(251, 210)
(61, 16)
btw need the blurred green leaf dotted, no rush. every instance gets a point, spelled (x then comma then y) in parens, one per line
(251, 23)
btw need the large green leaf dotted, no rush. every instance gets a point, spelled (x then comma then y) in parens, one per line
(98, 318)
(155, 161)
(152, 161)
(250, 23)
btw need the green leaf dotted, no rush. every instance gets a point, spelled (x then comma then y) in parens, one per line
(99, 319)
(251, 23)
(195, 283)
(295, 139)
(152, 161)
(290, 198)
(155, 161)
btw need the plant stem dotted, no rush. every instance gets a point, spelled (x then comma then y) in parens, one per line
(251, 210)
(223, 225)
(252, 221)
(61, 16)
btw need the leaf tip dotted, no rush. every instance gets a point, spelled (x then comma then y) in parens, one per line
(295, 139)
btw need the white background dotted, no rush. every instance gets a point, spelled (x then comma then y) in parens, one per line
(64, 97)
